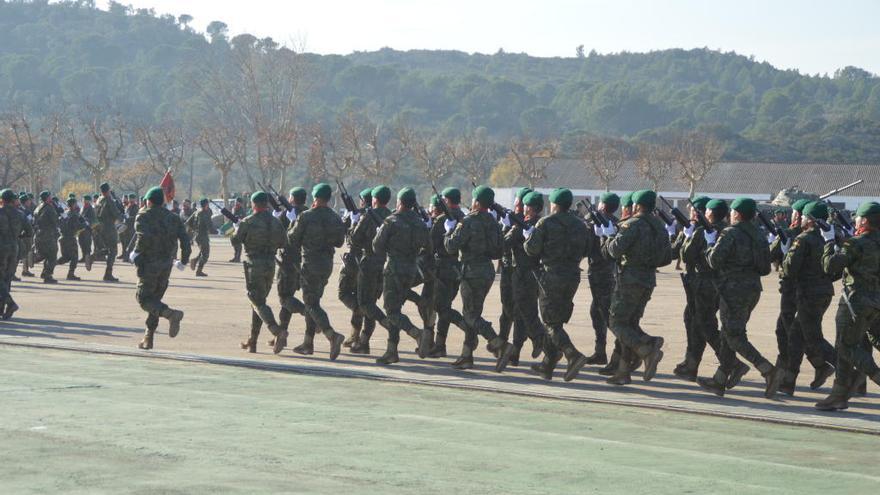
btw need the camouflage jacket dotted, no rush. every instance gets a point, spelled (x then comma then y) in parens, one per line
(560, 242)
(740, 256)
(858, 260)
(364, 232)
(514, 241)
(316, 234)
(476, 239)
(634, 249)
(438, 233)
(803, 264)
(402, 237)
(13, 226)
(693, 251)
(158, 232)
(201, 224)
(46, 222)
(260, 234)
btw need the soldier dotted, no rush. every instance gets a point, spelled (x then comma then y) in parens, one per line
(289, 269)
(477, 240)
(175, 207)
(789, 340)
(505, 269)
(626, 206)
(560, 242)
(314, 238)
(108, 212)
(600, 275)
(740, 257)
(447, 271)
(640, 247)
(239, 211)
(814, 290)
(26, 244)
(202, 225)
(13, 226)
(71, 225)
(349, 274)
(858, 259)
(46, 236)
(524, 284)
(261, 235)
(131, 211)
(157, 232)
(186, 210)
(401, 237)
(370, 265)
(85, 235)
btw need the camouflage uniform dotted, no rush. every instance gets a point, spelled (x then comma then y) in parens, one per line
(789, 339)
(601, 273)
(527, 322)
(13, 226)
(505, 286)
(158, 232)
(289, 279)
(369, 279)
(202, 224)
(85, 235)
(70, 228)
(447, 270)
(125, 240)
(347, 291)
(108, 214)
(240, 212)
(46, 238)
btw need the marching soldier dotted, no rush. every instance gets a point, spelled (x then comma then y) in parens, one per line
(131, 211)
(348, 276)
(447, 271)
(858, 311)
(313, 240)
(26, 245)
(13, 226)
(289, 270)
(202, 225)
(46, 236)
(505, 269)
(626, 207)
(158, 232)
(85, 235)
(71, 225)
(741, 257)
(108, 212)
(239, 211)
(600, 275)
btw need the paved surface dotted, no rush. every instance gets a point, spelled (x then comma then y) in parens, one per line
(88, 423)
(91, 313)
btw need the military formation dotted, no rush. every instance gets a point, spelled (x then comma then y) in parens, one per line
(400, 252)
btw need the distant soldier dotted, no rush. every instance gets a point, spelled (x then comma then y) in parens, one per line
(447, 270)
(289, 269)
(640, 247)
(477, 240)
(239, 211)
(401, 237)
(85, 235)
(46, 236)
(315, 236)
(131, 211)
(186, 210)
(741, 257)
(175, 207)
(26, 244)
(261, 235)
(600, 274)
(13, 226)
(815, 289)
(505, 281)
(158, 233)
(108, 212)
(71, 225)
(560, 242)
(858, 311)
(348, 276)
(201, 224)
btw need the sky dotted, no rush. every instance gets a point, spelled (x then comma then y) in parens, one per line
(808, 35)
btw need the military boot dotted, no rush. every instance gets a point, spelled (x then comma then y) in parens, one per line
(687, 369)
(353, 337)
(250, 344)
(192, 263)
(836, 401)
(823, 372)
(147, 342)
(390, 356)
(108, 277)
(426, 342)
(49, 280)
(73, 277)
(613, 363)
(537, 346)
(88, 261)
(505, 350)
(859, 387)
(466, 360)
(11, 308)
(174, 317)
(307, 347)
(200, 273)
(599, 356)
(772, 377)
(514, 358)
(739, 371)
(280, 338)
(438, 350)
(362, 345)
(876, 378)
(576, 362)
(652, 355)
(336, 339)
(716, 384)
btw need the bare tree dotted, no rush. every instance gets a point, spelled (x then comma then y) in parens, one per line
(37, 147)
(432, 159)
(533, 157)
(698, 154)
(655, 162)
(603, 157)
(133, 178)
(96, 142)
(165, 145)
(222, 145)
(474, 155)
(11, 170)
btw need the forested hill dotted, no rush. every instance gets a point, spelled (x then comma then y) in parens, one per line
(58, 54)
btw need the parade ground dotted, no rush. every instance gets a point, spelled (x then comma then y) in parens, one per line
(85, 411)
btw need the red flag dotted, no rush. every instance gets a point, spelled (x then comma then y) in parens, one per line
(167, 186)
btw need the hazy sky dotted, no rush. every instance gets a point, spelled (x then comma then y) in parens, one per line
(809, 35)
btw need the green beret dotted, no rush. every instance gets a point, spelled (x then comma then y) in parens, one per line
(132, 196)
(779, 211)
(71, 202)
(626, 200)
(407, 196)
(534, 199)
(203, 202)
(382, 194)
(716, 205)
(322, 191)
(30, 195)
(155, 195)
(453, 194)
(610, 199)
(746, 206)
(562, 197)
(798, 205)
(23, 197)
(366, 194)
(71, 196)
(7, 195)
(701, 202)
(484, 195)
(45, 195)
(522, 192)
(868, 208)
(105, 187)
(299, 194)
(237, 199)
(87, 198)
(816, 209)
(260, 197)
(436, 200)
(645, 197)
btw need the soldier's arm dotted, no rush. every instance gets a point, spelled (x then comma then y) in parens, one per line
(380, 242)
(241, 234)
(534, 245)
(794, 259)
(182, 239)
(295, 236)
(692, 249)
(458, 238)
(717, 254)
(360, 237)
(834, 261)
(27, 230)
(338, 232)
(277, 234)
(616, 247)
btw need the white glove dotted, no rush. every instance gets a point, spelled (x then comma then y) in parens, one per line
(598, 230)
(355, 217)
(494, 215)
(133, 256)
(689, 230)
(277, 213)
(785, 246)
(450, 224)
(771, 238)
(429, 223)
(850, 231)
(710, 237)
(64, 215)
(671, 229)
(505, 220)
(235, 227)
(829, 235)
(610, 230)
(291, 215)
(179, 265)
(346, 214)
(528, 232)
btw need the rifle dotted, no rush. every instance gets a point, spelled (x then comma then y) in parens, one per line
(117, 203)
(840, 190)
(272, 201)
(701, 219)
(281, 199)
(679, 216)
(837, 216)
(772, 227)
(346, 198)
(664, 216)
(595, 215)
(422, 213)
(504, 212)
(443, 206)
(226, 213)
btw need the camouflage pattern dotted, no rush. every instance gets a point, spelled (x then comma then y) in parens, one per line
(131, 211)
(46, 221)
(447, 270)
(107, 213)
(789, 339)
(240, 212)
(370, 266)
(13, 225)
(702, 283)
(260, 235)
(201, 225)
(347, 288)
(524, 288)
(85, 235)
(505, 286)
(601, 274)
(288, 282)
(70, 228)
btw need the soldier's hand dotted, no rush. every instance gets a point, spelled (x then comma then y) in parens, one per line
(771, 238)
(291, 215)
(133, 256)
(494, 214)
(829, 234)
(429, 223)
(785, 246)
(505, 220)
(598, 230)
(277, 213)
(710, 237)
(355, 217)
(450, 224)
(528, 232)
(609, 230)
(689, 230)
(180, 265)
(672, 228)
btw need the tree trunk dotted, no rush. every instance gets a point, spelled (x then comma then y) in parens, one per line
(691, 189)
(224, 185)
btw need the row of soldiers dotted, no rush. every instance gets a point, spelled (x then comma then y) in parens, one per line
(447, 251)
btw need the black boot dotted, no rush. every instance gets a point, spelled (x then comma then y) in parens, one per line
(438, 350)
(307, 347)
(466, 360)
(147, 342)
(822, 374)
(716, 384)
(390, 356)
(836, 401)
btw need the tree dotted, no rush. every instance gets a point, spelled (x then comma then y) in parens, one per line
(134, 177)
(533, 157)
(165, 146)
(698, 154)
(221, 144)
(10, 170)
(474, 155)
(96, 141)
(217, 31)
(36, 145)
(655, 162)
(432, 159)
(603, 157)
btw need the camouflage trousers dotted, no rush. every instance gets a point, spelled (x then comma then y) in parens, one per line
(527, 323)
(152, 284)
(627, 308)
(601, 290)
(369, 289)
(736, 303)
(26, 252)
(85, 242)
(789, 339)
(259, 273)
(236, 248)
(810, 310)
(68, 253)
(476, 281)
(704, 321)
(854, 354)
(8, 265)
(47, 249)
(109, 239)
(348, 293)
(314, 275)
(204, 252)
(398, 279)
(287, 285)
(446, 286)
(508, 313)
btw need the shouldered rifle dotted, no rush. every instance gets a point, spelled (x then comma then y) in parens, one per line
(347, 200)
(701, 219)
(772, 227)
(664, 216)
(281, 199)
(840, 190)
(595, 215)
(836, 215)
(504, 212)
(422, 212)
(272, 201)
(117, 202)
(442, 205)
(679, 216)
(226, 213)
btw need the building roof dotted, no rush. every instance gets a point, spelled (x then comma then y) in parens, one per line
(757, 179)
